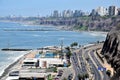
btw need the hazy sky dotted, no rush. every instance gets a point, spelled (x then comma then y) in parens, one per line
(44, 7)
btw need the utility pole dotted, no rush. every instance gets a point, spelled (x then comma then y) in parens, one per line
(8, 44)
(62, 49)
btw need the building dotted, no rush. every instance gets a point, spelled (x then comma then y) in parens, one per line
(56, 14)
(32, 74)
(13, 75)
(32, 62)
(49, 62)
(94, 13)
(77, 13)
(13, 78)
(43, 62)
(67, 13)
(112, 10)
(102, 11)
(118, 11)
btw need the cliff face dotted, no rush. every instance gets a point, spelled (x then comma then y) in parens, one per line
(111, 51)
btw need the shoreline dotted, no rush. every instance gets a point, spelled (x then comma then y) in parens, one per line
(12, 65)
(59, 27)
(18, 59)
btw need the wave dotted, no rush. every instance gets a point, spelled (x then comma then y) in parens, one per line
(36, 35)
(98, 34)
(61, 38)
(3, 68)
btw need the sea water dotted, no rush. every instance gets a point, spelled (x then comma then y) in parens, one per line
(11, 36)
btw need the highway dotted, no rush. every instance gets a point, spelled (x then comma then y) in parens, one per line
(94, 70)
(82, 62)
(75, 64)
(105, 77)
(79, 63)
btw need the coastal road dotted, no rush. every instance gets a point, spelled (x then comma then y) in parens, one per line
(94, 70)
(75, 64)
(79, 64)
(91, 52)
(105, 77)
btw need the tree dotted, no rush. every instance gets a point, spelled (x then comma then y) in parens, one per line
(55, 69)
(108, 72)
(68, 53)
(74, 44)
(50, 77)
(64, 79)
(80, 77)
(86, 75)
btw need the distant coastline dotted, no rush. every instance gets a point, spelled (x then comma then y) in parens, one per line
(83, 23)
(58, 27)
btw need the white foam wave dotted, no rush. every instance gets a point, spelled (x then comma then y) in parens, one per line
(36, 35)
(98, 34)
(45, 31)
(2, 68)
(61, 38)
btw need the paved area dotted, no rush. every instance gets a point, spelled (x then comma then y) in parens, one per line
(79, 62)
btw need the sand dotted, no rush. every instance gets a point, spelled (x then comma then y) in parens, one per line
(31, 54)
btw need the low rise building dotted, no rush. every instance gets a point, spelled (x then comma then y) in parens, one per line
(48, 62)
(32, 62)
(32, 75)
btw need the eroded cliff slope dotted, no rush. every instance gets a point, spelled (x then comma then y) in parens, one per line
(111, 51)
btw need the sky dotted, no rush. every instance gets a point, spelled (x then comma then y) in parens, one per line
(45, 7)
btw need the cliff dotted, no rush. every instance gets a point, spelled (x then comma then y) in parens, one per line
(82, 23)
(111, 51)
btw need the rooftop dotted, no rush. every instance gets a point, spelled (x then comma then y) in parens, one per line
(30, 60)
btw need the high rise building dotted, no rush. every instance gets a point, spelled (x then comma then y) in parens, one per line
(64, 13)
(55, 14)
(113, 10)
(67, 13)
(77, 13)
(102, 11)
(94, 13)
(118, 11)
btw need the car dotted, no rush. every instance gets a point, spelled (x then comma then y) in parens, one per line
(14, 73)
(56, 78)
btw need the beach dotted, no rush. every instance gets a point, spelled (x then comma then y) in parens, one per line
(31, 54)
(12, 66)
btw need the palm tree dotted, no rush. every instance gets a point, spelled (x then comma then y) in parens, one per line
(74, 44)
(80, 77)
(86, 75)
(108, 72)
(64, 79)
(68, 53)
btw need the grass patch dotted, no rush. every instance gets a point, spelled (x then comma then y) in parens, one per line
(81, 28)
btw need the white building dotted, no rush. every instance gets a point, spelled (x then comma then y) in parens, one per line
(32, 74)
(67, 13)
(43, 62)
(47, 62)
(13, 78)
(30, 62)
(102, 11)
(113, 10)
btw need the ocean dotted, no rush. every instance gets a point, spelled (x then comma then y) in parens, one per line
(15, 35)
